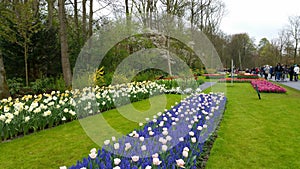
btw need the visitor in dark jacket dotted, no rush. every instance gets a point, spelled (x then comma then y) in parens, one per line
(278, 72)
(291, 72)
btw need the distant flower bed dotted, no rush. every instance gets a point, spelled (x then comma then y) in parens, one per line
(172, 139)
(247, 76)
(228, 80)
(175, 77)
(267, 87)
(182, 83)
(36, 112)
(213, 76)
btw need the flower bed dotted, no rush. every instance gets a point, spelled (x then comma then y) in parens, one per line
(267, 87)
(213, 76)
(247, 76)
(235, 80)
(37, 112)
(228, 80)
(183, 83)
(173, 139)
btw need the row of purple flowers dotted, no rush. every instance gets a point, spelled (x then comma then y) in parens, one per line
(173, 139)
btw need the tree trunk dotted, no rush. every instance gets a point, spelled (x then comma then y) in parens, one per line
(26, 62)
(66, 67)
(84, 20)
(76, 21)
(295, 52)
(168, 7)
(4, 91)
(127, 12)
(91, 19)
(50, 13)
(36, 8)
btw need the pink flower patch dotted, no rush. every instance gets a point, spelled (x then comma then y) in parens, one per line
(267, 87)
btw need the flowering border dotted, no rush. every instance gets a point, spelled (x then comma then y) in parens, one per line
(267, 87)
(186, 125)
(214, 76)
(32, 113)
(247, 76)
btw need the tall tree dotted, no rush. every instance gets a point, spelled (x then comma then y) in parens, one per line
(281, 42)
(66, 67)
(206, 15)
(84, 20)
(50, 6)
(4, 33)
(265, 52)
(174, 7)
(76, 20)
(4, 91)
(26, 25)
(146, 9)
(294, 30)
(91, 19)
(241, 49)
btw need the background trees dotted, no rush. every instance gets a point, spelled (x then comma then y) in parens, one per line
(41, 39)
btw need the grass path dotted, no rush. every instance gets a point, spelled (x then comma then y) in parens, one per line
(65, 144)
(258, 133)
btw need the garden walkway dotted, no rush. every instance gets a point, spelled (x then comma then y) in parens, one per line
(292, 84)
(206, 85)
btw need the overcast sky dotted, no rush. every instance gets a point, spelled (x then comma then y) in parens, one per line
(258, 18)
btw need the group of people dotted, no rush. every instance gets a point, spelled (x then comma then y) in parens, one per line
(280, 71)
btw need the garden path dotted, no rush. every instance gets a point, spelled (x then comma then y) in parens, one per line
(287, 82)
(206, 85)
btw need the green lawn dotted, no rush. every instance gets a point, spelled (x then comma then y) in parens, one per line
(65, 144)
(253, 134)
(258, 133)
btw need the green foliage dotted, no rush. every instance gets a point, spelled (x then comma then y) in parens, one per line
(59, 84)
(149, 75)
(48, 84)
(44, 58)
(198, 72)
(183, 83)
(15, 85)
(214, 76)
(169, 84)
(42, 85)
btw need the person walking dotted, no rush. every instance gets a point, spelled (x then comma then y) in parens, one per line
(278, 72)
(266, 71)
(271, 72)
(296, 72)
(291, 72)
